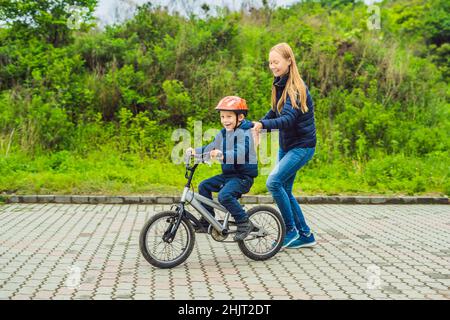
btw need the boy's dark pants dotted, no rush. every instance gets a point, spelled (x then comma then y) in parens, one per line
(230, 189)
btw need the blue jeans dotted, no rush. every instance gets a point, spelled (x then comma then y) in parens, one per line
(280, 183)
(230, 190)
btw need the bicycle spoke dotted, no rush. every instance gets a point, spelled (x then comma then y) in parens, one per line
(268, 223)
(164, 251)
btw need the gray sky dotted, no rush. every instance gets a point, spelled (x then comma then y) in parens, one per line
(109, 11)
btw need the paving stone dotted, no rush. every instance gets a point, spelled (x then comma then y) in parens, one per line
(42, 242)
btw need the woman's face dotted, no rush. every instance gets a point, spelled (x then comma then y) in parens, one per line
(277, 64)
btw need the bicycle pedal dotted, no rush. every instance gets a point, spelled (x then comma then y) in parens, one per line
(201, 229)
(232, 223)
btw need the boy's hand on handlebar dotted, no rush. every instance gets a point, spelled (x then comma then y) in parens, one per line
(216, 154)
(190, 151)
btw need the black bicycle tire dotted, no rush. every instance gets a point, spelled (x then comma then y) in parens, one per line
(180, 259)
(259, 257)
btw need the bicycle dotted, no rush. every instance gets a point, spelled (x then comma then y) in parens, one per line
(175, 229)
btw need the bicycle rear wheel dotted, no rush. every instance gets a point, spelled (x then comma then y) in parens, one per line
(267, 238)
(163, 254)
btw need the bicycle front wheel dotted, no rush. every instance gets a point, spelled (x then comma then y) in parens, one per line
(156, 250)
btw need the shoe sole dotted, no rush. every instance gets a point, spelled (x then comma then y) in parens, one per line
(306, 245)
(287, 244)
(246, 234)
(202, 229)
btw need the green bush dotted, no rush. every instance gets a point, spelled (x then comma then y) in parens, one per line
(380, 96)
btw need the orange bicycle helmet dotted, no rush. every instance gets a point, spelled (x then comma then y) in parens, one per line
(233, 103)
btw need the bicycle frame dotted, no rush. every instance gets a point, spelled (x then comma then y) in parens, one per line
(196, 200)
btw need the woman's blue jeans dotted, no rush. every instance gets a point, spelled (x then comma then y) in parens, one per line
(280, 183)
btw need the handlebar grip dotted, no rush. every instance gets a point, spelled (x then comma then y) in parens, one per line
(187, 157)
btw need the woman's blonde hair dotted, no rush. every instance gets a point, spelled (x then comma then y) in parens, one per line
(295, 87)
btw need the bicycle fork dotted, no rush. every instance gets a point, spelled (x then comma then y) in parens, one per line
(175, 222)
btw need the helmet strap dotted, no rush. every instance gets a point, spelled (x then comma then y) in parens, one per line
(237, 121)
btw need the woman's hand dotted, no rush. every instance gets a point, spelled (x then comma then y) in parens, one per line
(257, 126)
(255, 135)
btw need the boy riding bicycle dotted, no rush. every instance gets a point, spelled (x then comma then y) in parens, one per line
(233, 146)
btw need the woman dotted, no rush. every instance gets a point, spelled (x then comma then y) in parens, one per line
(292, 113)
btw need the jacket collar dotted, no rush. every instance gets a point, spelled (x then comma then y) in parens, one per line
(244, 125)
(280, 81)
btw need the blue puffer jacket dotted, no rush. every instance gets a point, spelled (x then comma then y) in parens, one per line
(237, 146)
(297, 129)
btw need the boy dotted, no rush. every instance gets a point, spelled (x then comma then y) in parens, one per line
(239, 165)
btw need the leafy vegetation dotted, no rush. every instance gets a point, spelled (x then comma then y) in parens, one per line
(92, 111)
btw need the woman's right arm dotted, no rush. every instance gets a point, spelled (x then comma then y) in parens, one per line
(285, 120)
(269, 115)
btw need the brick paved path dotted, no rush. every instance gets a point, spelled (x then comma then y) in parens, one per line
(58, 251)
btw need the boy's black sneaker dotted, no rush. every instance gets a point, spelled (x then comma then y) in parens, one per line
(203, 227)
(243, 230)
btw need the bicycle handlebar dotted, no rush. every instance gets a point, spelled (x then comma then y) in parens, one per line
(200, 157)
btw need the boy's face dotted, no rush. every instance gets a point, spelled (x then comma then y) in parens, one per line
(228, 119)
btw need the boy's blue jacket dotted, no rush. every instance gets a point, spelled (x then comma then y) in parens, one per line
(297, 129)
(237, 146)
